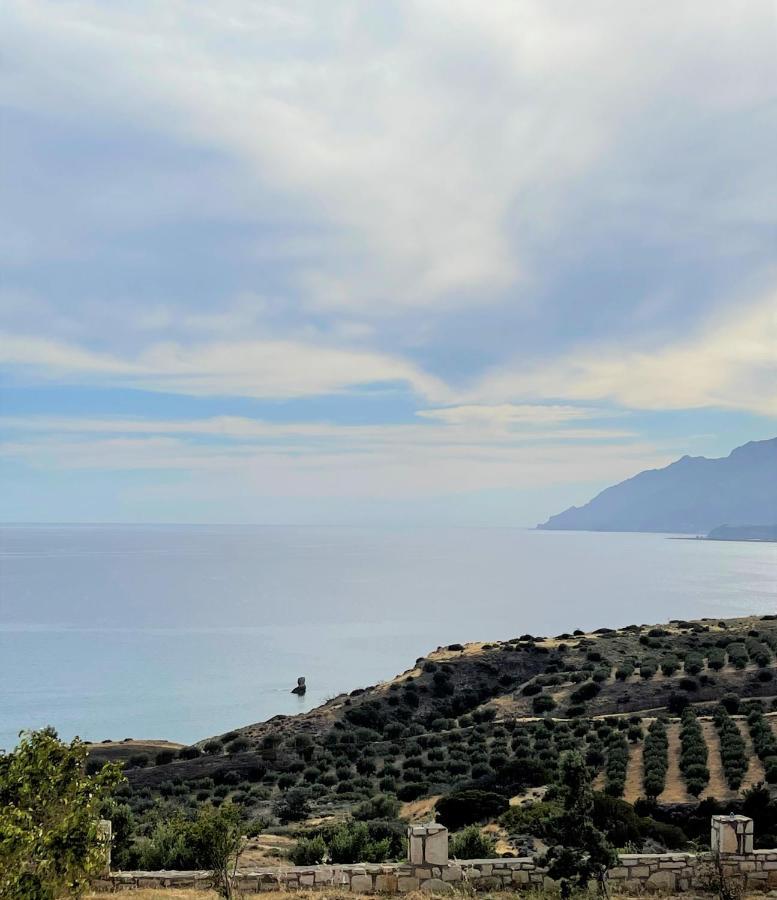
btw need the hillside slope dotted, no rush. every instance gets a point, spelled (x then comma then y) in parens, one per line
(493, 717)
(692, 496)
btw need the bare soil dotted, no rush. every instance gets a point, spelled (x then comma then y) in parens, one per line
(675, 791)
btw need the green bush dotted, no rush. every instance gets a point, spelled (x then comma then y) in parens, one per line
(471, 843)
(587, 691)
(382, 806)
(292, 806)
(531, 818)
(309, 851)
(542, 704)
(351, 843)
(624, 670)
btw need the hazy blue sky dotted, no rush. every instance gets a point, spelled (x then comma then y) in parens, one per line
(424, 261)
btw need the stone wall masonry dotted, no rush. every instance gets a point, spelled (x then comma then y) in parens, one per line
(635, 873)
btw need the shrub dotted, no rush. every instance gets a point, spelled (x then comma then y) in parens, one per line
(648, 668)
(190, 752)
(164, 757)
(542, 704)
(738, 655)
(694, 662)
(309, 851)
(238, 745)
(587, 691)
(352, 843)
(467, 807)
(669, 665)
(381, 806)
(412, 791)
(624, 670)
(471, 843)
(137, 761)
(292, 806)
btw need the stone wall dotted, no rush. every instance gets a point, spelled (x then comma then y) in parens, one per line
(429, 869)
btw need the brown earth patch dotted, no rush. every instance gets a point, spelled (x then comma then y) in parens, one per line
(419, 810)
(634, 787)
(718, 786)
(755, 771)
(675, 791)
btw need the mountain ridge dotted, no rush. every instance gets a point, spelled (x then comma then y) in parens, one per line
(692, 495)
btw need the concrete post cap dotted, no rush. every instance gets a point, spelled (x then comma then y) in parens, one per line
(421, 830)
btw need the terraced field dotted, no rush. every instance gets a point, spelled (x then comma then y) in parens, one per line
(497, 717)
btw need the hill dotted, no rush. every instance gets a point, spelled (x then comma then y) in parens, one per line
(495, 717)
(690, 496)
(743, 533)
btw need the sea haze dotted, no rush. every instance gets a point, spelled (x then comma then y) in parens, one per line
(183, 632)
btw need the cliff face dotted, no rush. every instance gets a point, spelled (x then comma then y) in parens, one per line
(692, 495)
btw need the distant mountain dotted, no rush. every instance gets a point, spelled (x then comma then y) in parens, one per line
(743, 533)
(690, 496)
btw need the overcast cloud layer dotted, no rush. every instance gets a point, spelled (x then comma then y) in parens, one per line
(418, 261)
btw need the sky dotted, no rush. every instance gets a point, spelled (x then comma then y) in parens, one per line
(415, 262)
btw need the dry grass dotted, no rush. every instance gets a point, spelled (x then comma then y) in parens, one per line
(419, 810)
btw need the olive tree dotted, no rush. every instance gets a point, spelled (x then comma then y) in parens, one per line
(580, 852)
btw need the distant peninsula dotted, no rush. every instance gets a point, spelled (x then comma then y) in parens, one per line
(693, 495)
(743, 533)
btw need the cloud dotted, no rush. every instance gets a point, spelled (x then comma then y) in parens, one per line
(325, 460)
(507, 414)
(267, 369)
(731, 364)
(443, 142)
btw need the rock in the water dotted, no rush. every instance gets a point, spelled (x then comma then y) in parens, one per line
(300, 688)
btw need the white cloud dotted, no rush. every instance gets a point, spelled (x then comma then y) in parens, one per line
(442, 138)
(269, 368)
(507, 414)
(731, 364)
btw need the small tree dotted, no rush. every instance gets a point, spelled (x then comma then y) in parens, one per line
(217, 838)
(581, 852)
(49, 817)
(292, 806)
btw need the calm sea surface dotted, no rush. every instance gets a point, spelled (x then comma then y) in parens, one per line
(183, 632)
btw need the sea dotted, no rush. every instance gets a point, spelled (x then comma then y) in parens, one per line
(181, 632)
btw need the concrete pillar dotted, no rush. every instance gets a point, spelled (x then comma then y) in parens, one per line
(427, 844)
(104, 837)
(731, 834)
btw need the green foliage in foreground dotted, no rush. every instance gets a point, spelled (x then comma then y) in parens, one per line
(49, 818)
(351, 842)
